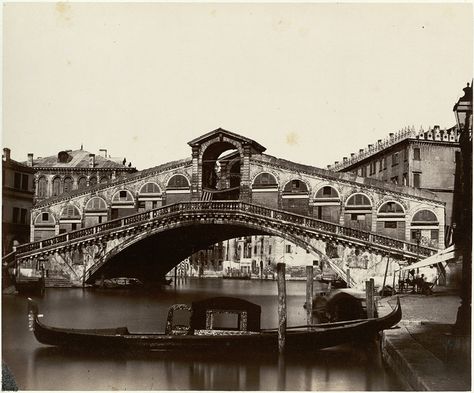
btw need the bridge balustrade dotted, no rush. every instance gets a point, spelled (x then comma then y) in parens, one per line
(236, 206)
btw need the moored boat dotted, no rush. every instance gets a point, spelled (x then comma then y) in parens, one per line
(220, 323)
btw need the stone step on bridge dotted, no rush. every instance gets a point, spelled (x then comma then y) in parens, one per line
(109, 238)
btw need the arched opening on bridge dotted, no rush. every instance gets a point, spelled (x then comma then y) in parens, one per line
(327, 204)
(82, 182)
(425, 228)
(70, 219)
(295, 197)
(221, 172)
(149, 197)
(44, 226)
(391, 220)
(265, 190)
(177, 190)
(95, 212)
(123, 204)
(233, 249)
(358, 212)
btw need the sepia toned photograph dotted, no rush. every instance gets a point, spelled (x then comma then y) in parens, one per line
(236, 196)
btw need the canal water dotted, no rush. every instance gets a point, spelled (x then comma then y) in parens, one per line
(38, 367)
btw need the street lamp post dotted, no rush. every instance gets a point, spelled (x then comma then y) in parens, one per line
(463, 213)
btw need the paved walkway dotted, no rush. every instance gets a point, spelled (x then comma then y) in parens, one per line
(417, 349)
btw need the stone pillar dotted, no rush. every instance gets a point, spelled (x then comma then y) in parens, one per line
(196, 185)
(245, 194)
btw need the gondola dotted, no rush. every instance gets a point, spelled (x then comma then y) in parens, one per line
(220, 323)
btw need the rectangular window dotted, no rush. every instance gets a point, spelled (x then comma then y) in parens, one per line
(23, 213)
(390, 224)
(288, 248)
(364, 171)
(24, 182)
(434, 234)
(74, 226)
(394, 159)
(123, 194)
(17, 181)
(16, 215)
(357, 217)
(405, 154)
(417, 180)
(45, 217)
(380, 165)
(255, 250)
(405, 179)
(269, 249)
(416, 154)
(385, 163)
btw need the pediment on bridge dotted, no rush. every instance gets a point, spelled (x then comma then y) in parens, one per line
(220, 135)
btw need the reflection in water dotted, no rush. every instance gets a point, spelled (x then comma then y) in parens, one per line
(47, 368)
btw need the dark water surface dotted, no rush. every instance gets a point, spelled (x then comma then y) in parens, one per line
(38, 367)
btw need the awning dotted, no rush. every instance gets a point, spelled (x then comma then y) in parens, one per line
(442, 256)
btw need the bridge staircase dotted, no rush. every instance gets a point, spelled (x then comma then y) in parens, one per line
(276, 221)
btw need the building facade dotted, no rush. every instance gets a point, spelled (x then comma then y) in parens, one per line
(424, 160)
(74, 169)
(17, 201)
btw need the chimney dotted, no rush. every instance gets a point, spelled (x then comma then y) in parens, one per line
(370, 147)
(91, 160)
(379, 141)
(361, 151)
(336, 162)
(353, 155)
(30, 159)
(329, 166)
(390, 135)
(6, 153)
(344, 159)
(103, 153)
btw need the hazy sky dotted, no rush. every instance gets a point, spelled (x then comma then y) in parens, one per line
(310, 82)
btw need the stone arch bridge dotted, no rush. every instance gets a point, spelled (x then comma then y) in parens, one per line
(149, 221)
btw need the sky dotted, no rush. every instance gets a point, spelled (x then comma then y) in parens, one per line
(311, 82)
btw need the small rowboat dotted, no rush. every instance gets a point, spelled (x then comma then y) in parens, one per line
(220, 323)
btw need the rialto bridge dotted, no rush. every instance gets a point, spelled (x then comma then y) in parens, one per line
(147, 222)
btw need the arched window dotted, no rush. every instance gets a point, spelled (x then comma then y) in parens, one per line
(150, 188)
(265, 180)
(82, 182)
(178, 182)
(96, 204)
(67, 184)
(56, 186)
(425, 216)
(391, 208)
(45, 219)
(327, 192)
(358, 200)
(42, 187)
(92, 181)
(358, 212)
(391, 220)
(425, 228)
(70, 212)
(327, 204)
(295, 187)
(122, 196)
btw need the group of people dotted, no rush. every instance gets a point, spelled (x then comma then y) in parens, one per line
(417, 282)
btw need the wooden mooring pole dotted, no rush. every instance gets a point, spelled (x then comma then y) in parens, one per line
(385, 276)
(369, 296)
(281, 307)
(309, 294)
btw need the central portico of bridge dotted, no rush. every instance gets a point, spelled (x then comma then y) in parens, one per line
(149, 221)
